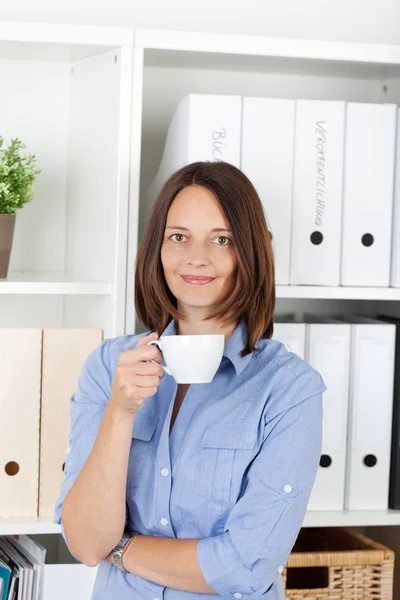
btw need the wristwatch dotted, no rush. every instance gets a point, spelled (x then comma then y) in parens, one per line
(119, 549)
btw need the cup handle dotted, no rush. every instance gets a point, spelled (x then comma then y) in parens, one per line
(158, 344)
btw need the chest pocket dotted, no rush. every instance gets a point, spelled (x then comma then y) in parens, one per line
(225, 451)
(141, 466)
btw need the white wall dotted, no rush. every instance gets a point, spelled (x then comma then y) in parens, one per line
(375, 21)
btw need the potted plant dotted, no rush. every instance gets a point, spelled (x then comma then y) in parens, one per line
(17, 174)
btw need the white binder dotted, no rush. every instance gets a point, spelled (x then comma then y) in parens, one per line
(203, 127)
(370, 414)
(395, 266)
(368, 194)
(317, 193)
(328, 351)
(267, 160)
(291, 334)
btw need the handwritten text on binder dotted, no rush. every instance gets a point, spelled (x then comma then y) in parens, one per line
(320, 182)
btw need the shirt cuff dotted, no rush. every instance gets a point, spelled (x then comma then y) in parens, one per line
(224, 570)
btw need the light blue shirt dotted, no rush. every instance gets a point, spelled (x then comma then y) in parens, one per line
(236, 471)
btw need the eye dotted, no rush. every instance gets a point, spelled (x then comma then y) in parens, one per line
(223, 240)
(177, 235)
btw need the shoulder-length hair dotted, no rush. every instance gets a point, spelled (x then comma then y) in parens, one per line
(252, 296)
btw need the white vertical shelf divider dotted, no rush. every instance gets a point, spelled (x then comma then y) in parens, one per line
(135, 163)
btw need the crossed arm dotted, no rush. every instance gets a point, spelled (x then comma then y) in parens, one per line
(169, 562)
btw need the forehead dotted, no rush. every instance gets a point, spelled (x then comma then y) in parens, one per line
(195, 203)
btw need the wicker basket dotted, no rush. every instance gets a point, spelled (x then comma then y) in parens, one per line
(347, 566)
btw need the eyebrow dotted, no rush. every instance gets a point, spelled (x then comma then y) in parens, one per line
(186, 229)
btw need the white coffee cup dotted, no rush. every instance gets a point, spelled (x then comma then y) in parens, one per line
(191, 358)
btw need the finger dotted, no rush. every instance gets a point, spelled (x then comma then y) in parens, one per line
(148, 392)
(149, 368)
(146, 381)
(145, 339)
(143, 353)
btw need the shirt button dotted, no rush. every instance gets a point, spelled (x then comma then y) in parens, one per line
(237, 595)
(156, 598)
(164, 521)
(280, 569)
(164, 472)
(287, 489)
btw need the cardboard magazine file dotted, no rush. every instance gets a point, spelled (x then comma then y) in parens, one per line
(20, 360)
(64, 352)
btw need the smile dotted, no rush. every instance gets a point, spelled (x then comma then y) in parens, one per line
(197, 280)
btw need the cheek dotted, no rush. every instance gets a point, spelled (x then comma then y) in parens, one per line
(229, 264)
(169, 259)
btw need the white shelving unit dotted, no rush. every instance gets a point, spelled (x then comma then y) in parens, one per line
(67, 93)
(94, 105)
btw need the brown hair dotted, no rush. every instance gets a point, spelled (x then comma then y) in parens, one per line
(252, 296)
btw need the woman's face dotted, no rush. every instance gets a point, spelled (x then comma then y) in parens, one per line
(197, 253)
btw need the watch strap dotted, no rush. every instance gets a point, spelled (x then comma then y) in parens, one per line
(120, 547)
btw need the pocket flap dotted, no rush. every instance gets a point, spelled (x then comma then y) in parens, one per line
(230, 435)
(144, 427)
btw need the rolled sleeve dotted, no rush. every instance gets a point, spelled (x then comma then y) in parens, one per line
(246, 560)
(226, 571)
(87, 406)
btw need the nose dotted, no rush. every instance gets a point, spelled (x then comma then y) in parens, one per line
(197, 256)
(198, 262)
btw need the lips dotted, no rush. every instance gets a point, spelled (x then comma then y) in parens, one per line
(197, 280)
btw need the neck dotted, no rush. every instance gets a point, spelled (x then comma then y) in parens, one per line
(196, 326)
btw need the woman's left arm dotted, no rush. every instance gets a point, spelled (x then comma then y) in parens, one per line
(166, 561)
(243, 562)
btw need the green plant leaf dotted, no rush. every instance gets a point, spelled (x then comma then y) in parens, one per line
(17, 175)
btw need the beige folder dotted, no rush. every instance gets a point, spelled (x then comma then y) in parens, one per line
(20, 370)
(64, 352)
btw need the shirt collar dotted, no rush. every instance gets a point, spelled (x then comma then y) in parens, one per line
(233, 347)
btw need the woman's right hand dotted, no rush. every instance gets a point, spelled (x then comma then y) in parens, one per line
(136, 379)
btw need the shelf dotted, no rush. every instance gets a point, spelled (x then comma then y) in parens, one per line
(266, 46)
(353, 518)
(337, 293)
(51, 283)
(60, 283)
(28, 526)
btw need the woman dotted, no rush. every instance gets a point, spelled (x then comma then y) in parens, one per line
(210, 481)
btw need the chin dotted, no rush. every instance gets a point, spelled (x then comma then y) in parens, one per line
(195, 302)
